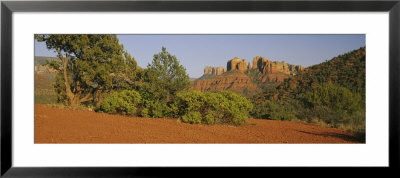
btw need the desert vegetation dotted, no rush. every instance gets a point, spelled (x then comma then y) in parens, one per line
(212, 107)
(96, 72)
(331, 93)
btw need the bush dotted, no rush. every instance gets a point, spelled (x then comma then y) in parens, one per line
(337, 106)
(145, 112)
(212, 107)
(153, 109)
(327, 104)
(274, 111)
(124, 102)
(338, 98)
(211, 117)
(188, 101)
(193, 117)
(158, 110)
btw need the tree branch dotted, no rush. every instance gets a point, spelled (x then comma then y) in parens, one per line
(64, 61)
(86, 98)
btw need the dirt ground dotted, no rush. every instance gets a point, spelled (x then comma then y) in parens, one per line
(55, 125)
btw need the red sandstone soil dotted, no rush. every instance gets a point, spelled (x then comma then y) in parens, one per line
(54, 125)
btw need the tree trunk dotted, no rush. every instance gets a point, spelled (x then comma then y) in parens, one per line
(167, 97)
(100, 99)
(75, 101)
(68, 92)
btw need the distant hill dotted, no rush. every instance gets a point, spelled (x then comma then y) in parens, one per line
(244, 78)
(43, 79)
(347, 70)
(331, 93)
(39, 60)
(233, 81)
(192, 79)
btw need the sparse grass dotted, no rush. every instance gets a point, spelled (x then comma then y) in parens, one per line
(44, 92)
(62, 106)
(357, 130)
(45, 98)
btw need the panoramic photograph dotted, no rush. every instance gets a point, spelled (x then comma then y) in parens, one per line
(199, 88)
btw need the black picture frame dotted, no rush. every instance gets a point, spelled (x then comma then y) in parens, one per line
(8, 7)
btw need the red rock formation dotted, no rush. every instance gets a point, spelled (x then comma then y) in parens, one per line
(245, 83)
(237, 82)
(266, 66)
(237, 64)
(214, 70)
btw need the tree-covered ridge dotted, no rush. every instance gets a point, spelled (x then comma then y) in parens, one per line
(331, 93)
(347, 70)
(40, 60)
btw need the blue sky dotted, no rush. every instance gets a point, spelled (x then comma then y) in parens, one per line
(197, 51)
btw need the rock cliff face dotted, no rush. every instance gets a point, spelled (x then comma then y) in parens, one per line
(214, 70)
(266, 66)
(237, 64)
(241, 77)
(237, 82)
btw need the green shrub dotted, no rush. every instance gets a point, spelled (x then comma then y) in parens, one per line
(172, 111)
(338, 98)
(144, 112)
(275, 111)
(357, 121)
(153, 109)
(188, 101)
(144, 107)
(193, 117)
(337, 106)
(158, 110)
(124, 102)
(211, 117)
(328, 104)
(214, 107)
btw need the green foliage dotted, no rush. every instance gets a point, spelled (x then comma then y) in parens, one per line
(158, 110)
(332, 92)
(193, 117)
(59, 88)
(335, 104)
(163, 78)
(237, 108)
(189, 101)
(144, 112)
(328, 103)
(274, 111)
(159, 84)
(89, 66)
(347, 70)
(211, 117)
(124, 102)
(338, 98)
(223, 107)
(149, 108)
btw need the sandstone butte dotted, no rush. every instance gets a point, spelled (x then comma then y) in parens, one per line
(214, 70)
(239, 76)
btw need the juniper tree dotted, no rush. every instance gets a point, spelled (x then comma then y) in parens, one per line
(89, 66)
(164, 77)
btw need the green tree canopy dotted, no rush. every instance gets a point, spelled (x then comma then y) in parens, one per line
(338, 98)
(89, 66)
(164, 77)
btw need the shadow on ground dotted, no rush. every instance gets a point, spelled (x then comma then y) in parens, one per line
(359, 137)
